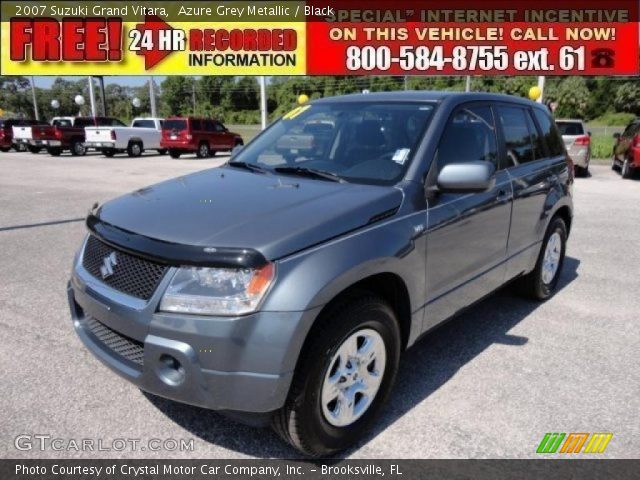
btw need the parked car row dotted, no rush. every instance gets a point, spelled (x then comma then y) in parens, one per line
(176, 135)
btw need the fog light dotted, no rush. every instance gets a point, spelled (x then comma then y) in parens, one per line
(170, 370)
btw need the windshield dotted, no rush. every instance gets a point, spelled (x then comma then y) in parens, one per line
(570, 128)
(360, 142)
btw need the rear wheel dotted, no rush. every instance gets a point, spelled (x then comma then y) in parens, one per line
(34, 149)
(78, 148)
(174, 153)
(626, 171)
(134, 149)
(344, 377)
(541, 283)
(203, 150)
(54, 151)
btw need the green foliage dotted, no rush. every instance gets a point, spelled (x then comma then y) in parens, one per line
(613, 119)
(601, 146)
(627, 98)
(572, 96)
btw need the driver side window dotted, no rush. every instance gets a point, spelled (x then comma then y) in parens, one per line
(469, 136)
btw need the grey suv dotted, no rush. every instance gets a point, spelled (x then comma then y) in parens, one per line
(283, 286)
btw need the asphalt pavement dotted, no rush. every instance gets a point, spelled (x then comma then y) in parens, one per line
(488, 384)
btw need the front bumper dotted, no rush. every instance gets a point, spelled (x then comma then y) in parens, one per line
(240, 364)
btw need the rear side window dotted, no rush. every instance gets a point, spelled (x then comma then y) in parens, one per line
(469, 136)
(632, 129)
(196, 125)
(174, 125)
(518, 139)
(219, 127)
(143, 124)
(570, 128)
(84, 122)
(550, 135)
(208, 125)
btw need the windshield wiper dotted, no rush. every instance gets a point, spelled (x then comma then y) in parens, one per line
(248, 166)
(311, 172)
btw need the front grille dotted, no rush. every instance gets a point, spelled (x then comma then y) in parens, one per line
(130, 274)
(126, 347)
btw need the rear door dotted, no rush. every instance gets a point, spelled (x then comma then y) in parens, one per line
(534, 156)
(227, 141)
(467, 232)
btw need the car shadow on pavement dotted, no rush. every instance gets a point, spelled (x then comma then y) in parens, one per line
(424, 368)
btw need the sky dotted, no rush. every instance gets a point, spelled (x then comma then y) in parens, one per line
(46, 82)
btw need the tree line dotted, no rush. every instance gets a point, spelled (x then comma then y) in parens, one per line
(236, 100)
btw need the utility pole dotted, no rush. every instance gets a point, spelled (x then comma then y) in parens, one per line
(467, 88)
(91, 98)
(263, 101)
(152, 97)
(35, 101)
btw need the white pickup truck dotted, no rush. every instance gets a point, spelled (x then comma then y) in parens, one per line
(143, 134)
(23, 136)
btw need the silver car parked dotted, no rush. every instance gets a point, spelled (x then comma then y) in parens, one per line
(577, 140)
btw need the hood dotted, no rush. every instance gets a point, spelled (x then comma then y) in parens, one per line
(231, 208)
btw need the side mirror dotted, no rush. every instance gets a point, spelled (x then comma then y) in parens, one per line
(466, 177)
(616, 135)
(589, 133)
(236, 150)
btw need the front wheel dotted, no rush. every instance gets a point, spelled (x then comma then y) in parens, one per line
(203, 150)
(5, 149)
(541, 283)
(78, 148)
(344, 377)
(109, 152)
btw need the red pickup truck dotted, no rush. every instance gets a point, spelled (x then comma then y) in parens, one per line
(67, 133)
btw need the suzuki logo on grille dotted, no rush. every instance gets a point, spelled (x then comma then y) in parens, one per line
(106, 270)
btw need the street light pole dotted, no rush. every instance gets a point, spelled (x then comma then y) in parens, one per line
(91, 98)
(541, 87)
(263, 101)
(35, 101)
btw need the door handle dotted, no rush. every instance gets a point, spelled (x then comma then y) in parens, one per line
(503, 196)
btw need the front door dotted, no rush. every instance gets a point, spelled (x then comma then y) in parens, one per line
(467, 232)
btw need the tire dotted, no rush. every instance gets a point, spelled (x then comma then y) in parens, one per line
(626, 171)
(203, 150)
(134, 149)
(308, 420)
(5, 149)
(537, 284)
(54, 151)
(174, 153)
(33, 149)
(78, 149)
(162, 151)
(109, 152)
(580, 171)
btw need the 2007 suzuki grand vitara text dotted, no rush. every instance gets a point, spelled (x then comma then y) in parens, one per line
(284, 285)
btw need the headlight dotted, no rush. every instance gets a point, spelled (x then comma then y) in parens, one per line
(217, 291)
